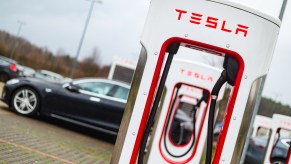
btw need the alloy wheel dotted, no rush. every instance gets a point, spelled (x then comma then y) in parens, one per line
(25, 101)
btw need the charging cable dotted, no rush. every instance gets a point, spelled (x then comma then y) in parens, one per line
(214, 95)
(228, 75)
(172, 50)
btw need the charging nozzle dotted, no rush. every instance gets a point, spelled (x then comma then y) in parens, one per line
(222, 79)
(228, 75)
(231, 66)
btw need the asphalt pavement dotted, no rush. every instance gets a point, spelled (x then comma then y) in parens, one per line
(42, 140)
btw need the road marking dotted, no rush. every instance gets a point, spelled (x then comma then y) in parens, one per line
(36, 151)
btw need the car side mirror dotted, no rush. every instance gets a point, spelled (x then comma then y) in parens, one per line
(73, 88)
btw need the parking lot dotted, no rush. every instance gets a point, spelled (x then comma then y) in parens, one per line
(42, 140)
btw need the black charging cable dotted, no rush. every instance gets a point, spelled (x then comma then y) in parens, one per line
(228, 75)
(215, 91)
(172, 50)
(277, 140)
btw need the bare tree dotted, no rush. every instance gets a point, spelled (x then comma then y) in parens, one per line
(90, 65)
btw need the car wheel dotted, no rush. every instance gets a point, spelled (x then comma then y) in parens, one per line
(278, 161)
(4, 77)
(25, 101)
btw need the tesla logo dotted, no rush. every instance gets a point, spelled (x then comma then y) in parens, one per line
(285, 123)
(212, 22)
(191, 89)
(196, 75)
(266, 123)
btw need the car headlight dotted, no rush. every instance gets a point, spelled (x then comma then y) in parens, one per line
(12, 81)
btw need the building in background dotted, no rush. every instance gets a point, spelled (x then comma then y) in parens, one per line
(122, 69)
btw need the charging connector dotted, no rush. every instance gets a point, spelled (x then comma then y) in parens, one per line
(228, 75)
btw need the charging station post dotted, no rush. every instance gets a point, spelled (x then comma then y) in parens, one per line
(281, 128)
(224, 28)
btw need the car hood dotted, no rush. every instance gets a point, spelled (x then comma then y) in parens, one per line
(39, 81)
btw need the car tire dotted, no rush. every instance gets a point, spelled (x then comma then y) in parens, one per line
(25, 101)
(278, 161)
(4, 77)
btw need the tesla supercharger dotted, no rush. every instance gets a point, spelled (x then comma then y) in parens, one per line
(281, 128)
(243, 36)
(174, 139)
(262, 123)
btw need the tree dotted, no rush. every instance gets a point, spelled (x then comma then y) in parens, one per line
(90, 65)
(41, 58)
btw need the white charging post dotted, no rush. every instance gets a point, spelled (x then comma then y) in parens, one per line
(262, 122)
(281, 128)
(222, 28)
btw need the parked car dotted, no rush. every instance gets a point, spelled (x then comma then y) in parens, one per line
(48, 75)
(217, 129)
(257, 149)
(91, 102)
(26, 71)
(8, 69)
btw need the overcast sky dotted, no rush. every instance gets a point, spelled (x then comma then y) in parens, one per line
(115, 29)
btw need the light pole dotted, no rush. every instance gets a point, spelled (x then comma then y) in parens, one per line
(82, 37)
(282, 9)
(21, 23)
(281, 18)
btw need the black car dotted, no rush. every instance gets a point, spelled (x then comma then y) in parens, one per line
(257, 149)
(8, 69)
(94, 103)
(217, 129)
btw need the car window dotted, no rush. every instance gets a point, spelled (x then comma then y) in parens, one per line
(96, 87)
(121, 93)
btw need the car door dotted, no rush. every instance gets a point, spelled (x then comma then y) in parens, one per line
(70, 103)
(89, 104)
(110, 100)
(116, 99)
